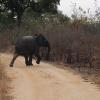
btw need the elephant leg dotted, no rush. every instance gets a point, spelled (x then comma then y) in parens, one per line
(13, 60)
(26, 60)
(38, 58)
(30, 60)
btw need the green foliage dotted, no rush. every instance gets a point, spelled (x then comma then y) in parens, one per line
(49, 5)
(5, 22)
(16, 8)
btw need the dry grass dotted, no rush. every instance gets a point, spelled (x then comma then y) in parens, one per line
(90, 74)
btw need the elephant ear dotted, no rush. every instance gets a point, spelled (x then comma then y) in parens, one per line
(40, 40)
(37, 37)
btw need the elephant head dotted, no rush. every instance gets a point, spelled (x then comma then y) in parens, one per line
(43, 42)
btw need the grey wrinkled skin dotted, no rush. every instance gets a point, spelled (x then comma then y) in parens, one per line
(28, 46)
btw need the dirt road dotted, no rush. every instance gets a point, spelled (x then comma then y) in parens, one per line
(47, 82)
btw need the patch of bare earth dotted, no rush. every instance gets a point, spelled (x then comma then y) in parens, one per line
(47, 82)
(89, 74)
(4, 84)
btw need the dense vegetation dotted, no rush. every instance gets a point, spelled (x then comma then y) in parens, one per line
(15, 8)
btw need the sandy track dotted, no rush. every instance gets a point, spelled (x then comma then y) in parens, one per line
(47, 82)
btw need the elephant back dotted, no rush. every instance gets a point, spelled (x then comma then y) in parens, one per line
(26, 44)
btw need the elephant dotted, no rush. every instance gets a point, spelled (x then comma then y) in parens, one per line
(29, 46)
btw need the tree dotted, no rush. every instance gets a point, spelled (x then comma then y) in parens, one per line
(16, 8)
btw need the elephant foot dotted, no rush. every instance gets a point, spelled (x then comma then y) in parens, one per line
(38, 62)
(11, 65)
(29, 64)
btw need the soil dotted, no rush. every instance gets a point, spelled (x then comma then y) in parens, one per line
(46, 82)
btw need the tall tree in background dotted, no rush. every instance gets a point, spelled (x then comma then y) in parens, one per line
(16, 8)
